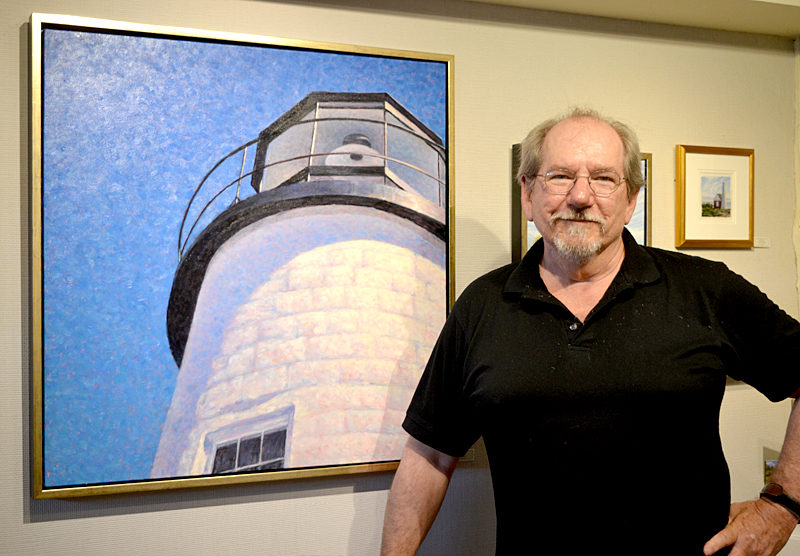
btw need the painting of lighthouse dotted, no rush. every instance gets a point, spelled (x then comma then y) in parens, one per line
(245, 251)
(716, 195)
(302, 317)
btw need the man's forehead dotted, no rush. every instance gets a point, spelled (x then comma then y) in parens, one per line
(583, 137)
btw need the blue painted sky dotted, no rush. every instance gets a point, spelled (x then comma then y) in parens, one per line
(131, 125)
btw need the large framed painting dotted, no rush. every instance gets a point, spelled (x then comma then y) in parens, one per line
(524, 233)
(714, 197)
(242, 253)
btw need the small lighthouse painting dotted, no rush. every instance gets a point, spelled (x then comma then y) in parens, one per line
(716, 194)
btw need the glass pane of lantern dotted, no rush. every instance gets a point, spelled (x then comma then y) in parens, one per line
(339, 124)
(285, 154)
(420, 164)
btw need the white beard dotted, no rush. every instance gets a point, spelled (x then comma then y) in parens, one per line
(575, 242)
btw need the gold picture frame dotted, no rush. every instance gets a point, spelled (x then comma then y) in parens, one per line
(127, 123)
(714, 197)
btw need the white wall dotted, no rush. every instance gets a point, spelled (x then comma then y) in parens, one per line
(513, 68)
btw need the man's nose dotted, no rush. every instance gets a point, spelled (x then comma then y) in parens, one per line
(581, 194)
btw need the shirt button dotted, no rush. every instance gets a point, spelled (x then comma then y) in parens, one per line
(573, 326)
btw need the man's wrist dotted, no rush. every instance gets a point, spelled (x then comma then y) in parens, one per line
(775, 494)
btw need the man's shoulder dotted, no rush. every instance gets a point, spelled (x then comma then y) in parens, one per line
(494, 280)
(484, 290)
(675, 262)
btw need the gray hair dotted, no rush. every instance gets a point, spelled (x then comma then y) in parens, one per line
(531, 148)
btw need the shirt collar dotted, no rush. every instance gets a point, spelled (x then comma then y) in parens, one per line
(637, 268)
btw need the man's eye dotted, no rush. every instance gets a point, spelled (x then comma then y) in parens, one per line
(604, 178)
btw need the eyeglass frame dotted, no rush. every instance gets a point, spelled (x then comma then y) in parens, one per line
(575, 181)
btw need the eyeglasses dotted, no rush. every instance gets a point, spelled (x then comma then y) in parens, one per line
(602, 182)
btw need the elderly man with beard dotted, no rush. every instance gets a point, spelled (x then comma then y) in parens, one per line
(594, 370)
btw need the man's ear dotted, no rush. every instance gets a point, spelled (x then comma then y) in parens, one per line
(629, 210)
(525, 197)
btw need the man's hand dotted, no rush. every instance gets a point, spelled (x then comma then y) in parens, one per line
(755, 528)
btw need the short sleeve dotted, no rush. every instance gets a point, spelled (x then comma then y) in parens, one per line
(438, 415)
(765, 338)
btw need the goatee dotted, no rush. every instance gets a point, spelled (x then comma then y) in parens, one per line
(576, 243)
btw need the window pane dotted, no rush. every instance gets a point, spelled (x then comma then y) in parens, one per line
(277, 464)
(274, 445)
(331, 133)
(417, 153)
(249, 449)
(225, 458)
(292, 143)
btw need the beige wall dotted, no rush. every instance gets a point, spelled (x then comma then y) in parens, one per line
(512, 67)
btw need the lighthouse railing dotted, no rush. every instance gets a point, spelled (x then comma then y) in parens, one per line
(183, 243)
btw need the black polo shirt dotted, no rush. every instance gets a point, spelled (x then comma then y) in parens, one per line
(603, 434)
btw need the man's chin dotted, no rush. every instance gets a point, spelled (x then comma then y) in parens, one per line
(580, 252)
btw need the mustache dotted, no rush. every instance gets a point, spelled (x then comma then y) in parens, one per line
(575, 215)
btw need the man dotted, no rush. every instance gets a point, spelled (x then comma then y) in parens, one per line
(594, 370)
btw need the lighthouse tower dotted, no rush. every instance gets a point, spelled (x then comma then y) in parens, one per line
(302, 315)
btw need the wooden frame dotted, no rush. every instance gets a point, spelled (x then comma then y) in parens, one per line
(524, 233)
(127, 123)
(714, 197)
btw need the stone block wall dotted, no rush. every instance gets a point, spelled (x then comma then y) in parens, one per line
(340, 334)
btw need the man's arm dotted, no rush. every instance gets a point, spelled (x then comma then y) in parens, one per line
(763, 527)
(418, 489)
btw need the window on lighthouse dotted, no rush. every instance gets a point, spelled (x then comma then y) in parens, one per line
(257, 452)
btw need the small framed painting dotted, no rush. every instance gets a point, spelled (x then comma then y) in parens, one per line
(714, 197)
